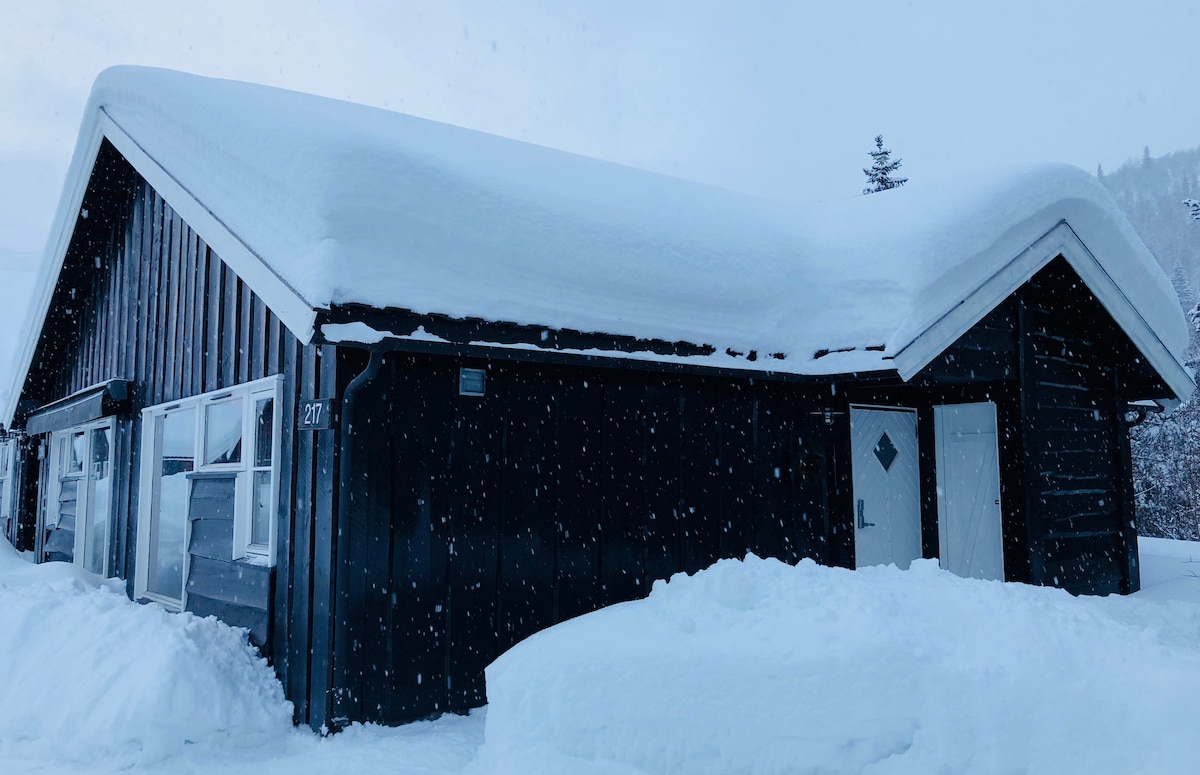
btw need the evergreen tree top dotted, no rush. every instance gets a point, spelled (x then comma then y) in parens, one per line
(879, 174)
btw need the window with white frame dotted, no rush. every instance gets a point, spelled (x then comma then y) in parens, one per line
(219, 450)
(75, 519)
(7, 456)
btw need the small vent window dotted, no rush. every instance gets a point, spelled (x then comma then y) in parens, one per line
(471, 382)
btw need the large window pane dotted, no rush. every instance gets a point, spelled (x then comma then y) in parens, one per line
(264, 426)
(99, 500)
(168, 521)
(223, 432)
(260, 524)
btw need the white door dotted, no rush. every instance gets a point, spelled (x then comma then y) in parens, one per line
(968, 485)
(887, 489)
(75, 518)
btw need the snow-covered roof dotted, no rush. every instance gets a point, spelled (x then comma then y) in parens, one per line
(317, 203)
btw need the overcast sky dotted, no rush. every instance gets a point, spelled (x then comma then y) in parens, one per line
(778, 98)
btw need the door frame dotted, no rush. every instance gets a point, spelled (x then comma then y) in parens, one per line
(52, 475)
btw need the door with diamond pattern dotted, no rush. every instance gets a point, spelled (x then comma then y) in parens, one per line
(887, 489)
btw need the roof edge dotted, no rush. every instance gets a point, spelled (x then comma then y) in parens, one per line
(295, 312)
(87, 148)
(1060, 240)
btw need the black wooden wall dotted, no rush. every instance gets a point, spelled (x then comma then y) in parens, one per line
(1078, 370)
(142, 297)
(477, 521)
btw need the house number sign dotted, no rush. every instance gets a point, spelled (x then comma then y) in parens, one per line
(316, 414)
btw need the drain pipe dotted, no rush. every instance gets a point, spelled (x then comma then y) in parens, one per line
(337, 717)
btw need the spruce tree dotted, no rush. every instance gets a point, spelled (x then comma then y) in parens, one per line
(1193, 206)
(879, 174)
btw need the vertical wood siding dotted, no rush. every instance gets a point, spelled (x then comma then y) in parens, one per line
(142, 297)
(477, 521)
(1074, 438)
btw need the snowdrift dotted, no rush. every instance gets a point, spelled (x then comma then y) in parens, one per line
(760, 667)
(87, 674)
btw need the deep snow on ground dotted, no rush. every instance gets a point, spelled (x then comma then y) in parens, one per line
(746, 667)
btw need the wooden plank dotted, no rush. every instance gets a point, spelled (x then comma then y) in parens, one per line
(275, 337)
(245, 332)
(699, 479)
(155, 341)
(1036, 524)
(475, 465)
(578, 441)
(200, 312)
(774, 517)
(174, 333)
(366, 658)
(214, 322)
(253, 619)
(131, 264)
(418, 561)
(287, 576)
(736, 467)
(230, 319)
(259, 338)
(187, 306)
(621, 540)
(300, 637)
(970, 366)
(1127, 515)
(230, 581)
(660, 495)
(146, 294)
(528, 527)
(324, 531)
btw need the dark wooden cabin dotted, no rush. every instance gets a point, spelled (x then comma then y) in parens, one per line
(388, 499)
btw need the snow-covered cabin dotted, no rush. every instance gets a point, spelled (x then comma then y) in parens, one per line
(395, 394)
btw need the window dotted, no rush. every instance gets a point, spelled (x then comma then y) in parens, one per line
(76, 517)
(7, 456)
(209, 484)
(471, 382)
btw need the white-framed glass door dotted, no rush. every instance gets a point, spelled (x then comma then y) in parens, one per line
(76, 522)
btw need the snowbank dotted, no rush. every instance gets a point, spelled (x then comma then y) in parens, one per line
(760, 667)
(85, 673)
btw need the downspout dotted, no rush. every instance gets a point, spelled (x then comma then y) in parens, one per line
(336, 709)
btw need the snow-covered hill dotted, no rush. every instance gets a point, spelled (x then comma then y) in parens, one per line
(746, 667)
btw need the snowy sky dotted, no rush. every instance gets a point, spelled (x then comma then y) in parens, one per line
(779, 98)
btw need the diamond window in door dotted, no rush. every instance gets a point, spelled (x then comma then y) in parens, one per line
(885, 451)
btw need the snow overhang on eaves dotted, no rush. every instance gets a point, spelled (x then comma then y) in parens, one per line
(297, 314)
(1059, 241)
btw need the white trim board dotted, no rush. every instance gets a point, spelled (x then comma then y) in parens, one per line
(1059, 241)
(292, 310)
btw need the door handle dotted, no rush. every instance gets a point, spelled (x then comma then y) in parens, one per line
(862, 519)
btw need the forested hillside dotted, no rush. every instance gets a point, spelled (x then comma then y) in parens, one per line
(1166, 450)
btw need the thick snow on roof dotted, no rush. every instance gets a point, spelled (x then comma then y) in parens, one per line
(346, 203)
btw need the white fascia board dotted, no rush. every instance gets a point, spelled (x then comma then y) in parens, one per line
(55, 252)
(1060, 240)
(298, 315)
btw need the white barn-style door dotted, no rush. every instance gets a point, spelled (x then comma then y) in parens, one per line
(968, 485)
(887, 490)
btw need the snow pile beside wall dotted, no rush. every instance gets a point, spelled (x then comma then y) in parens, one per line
(87, 673)
(760, 667)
